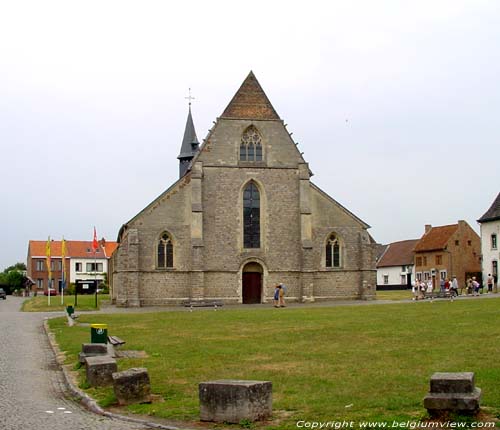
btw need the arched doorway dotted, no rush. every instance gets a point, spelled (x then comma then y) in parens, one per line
(252, 283)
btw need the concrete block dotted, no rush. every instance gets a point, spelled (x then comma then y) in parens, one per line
(235, 400)
(100, 370)
(461, 382)
(132, 386)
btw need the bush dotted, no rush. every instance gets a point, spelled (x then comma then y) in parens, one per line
(70, 289)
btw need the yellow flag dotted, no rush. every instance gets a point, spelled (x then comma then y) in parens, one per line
(63, 257)
(47, 253)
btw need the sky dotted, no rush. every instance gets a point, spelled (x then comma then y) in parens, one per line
(395, 104)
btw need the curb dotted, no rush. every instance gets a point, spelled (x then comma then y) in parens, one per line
(84, 399)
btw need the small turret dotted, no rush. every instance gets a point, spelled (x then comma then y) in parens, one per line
(189, 146)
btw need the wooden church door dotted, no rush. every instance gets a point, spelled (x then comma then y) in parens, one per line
(252, 284)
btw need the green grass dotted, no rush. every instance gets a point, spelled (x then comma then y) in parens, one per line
(86, 302)
(377, 359)
(394, 295)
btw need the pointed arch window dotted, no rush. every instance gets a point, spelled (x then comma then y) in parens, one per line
(333, 252)
(251, 145)
(251, 216)
(165, 255)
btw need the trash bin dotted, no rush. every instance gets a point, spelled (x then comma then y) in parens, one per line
(98, 333)
(70, 310)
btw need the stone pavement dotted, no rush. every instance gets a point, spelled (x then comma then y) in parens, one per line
(33, 395)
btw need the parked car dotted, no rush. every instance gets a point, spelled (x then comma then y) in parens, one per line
(3, 295)
(53, 292)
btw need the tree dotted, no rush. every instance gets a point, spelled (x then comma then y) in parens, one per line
(13, 276)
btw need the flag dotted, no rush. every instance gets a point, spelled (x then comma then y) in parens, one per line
(63, 258)
(95, 244)
(47, 253)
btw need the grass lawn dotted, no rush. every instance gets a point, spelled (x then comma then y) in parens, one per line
(86, 302)
(394, 295)
(338, 363)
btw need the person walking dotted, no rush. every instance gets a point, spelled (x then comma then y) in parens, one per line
(454, 287)
(282, 295)
(276, 296)
(475, 286)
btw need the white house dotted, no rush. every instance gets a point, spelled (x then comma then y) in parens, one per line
(395, 267)
(490, 234)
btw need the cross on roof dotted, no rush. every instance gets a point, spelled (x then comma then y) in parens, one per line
(189, 97)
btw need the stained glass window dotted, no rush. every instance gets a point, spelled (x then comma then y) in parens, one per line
(165, 252)
(251, 145)
(333, 252)
(251, 216)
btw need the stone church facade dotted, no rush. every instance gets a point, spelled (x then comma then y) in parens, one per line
(243, 216)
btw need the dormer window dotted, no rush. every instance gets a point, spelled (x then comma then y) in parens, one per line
(251, 145)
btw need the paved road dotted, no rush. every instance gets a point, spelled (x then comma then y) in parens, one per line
(32, 392)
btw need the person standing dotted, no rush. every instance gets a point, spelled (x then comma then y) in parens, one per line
(475, 286)
(489, 282)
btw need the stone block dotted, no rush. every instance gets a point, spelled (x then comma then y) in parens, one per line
(462, 382)
(92, 350)
(100, 370)
(235, 400)
(452, 393)
(132, 386)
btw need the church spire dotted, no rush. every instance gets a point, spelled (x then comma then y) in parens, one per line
(190, 142)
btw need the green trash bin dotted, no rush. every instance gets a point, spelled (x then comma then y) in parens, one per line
(98, 333)
(70, 310)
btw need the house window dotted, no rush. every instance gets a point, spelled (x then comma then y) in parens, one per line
(493, 241)
(165, 252)
(442, 274)
(40, 265)
(386, 279)
(94, 267)
(78, 267)
(418, 261)
(469, 243)
(418, 276)
(439, 259)
(251, 216)
(494, 269)
(251, 145)
(457, 242)
(427, 276)
(39, 284)
(333, 252)
(403, 279)
(424, 261)
(55, 265)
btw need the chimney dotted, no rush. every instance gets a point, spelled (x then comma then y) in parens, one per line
(427, 228)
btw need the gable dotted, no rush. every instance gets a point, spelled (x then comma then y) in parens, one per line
(173, 205)
(328, 211)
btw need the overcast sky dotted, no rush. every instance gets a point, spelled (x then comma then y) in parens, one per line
(396, 105)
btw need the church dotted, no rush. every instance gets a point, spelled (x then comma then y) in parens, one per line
(242, 217)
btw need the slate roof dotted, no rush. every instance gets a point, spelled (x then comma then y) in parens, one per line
(250, 102)
(436, 238)
(189, 139)
(74, 249)
(493, 213)
(398, 253)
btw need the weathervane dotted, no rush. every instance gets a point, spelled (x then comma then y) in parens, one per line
(189, 97)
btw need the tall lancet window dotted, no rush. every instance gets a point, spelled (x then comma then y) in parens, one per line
(333, 252)
(251, 145)
(251, 216)
(165, 252)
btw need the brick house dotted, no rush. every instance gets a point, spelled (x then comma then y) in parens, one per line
(80, 262)
(243, 216)
(447, 251)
